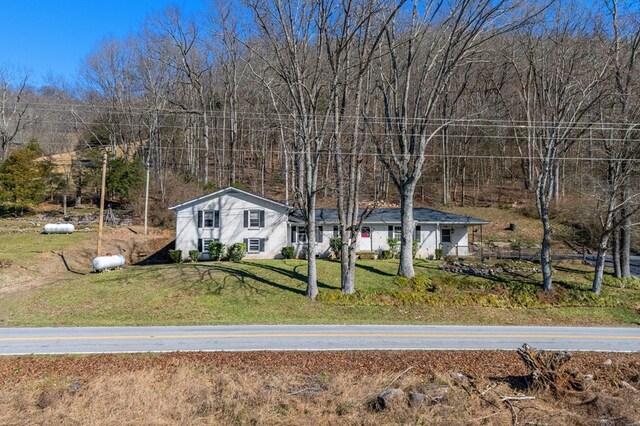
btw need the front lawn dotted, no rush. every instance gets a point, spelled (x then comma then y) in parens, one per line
(272, 291)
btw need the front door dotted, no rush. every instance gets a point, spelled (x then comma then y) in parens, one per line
(365, 239)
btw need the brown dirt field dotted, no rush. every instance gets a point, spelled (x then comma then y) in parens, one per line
(306, 388)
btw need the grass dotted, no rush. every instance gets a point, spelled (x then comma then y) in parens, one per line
(38, 289)
(272, 291)
(304, 388)
(528, 232)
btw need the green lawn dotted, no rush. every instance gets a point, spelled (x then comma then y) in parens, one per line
(272, 291)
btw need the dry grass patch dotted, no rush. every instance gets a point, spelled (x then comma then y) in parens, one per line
(281, 388)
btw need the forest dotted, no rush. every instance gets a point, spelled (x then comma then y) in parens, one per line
(351, 104)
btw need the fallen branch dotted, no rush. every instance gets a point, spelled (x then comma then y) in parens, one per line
(517, 398)
(397, 377)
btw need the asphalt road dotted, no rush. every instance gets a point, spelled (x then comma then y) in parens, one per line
(75, 340)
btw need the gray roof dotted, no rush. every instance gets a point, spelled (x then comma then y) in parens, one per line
(227, 190)
(392, 215)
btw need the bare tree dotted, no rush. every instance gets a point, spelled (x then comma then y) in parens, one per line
(13, 109)
(421, 54)
(620, 130)
(352, 42)
(294, 32)
(560, 82)
(193, 68)
(625, 110)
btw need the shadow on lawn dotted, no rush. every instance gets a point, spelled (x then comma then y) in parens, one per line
(290, 273)
(374, 270)
(233, 274)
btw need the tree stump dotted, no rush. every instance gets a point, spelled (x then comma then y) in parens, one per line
(549, 371)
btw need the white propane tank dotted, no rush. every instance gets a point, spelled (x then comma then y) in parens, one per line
(102, 263)
(59, 228)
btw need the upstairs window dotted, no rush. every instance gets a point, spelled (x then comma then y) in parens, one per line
(254, 219)
(209, 219)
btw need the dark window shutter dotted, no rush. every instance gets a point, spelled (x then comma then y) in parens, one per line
(200, 248)
(390, 231)
(261, 218)
(199, 218)
(261, 245)
(416, 236)
(246, 218)
(320, 236)
(246, 243)
(294, 233)
(336, 231)
(216, 219)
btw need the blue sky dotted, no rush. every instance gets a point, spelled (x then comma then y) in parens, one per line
(53, 36)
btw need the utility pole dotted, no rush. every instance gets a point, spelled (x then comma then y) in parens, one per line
(102, 191)
(146, 196)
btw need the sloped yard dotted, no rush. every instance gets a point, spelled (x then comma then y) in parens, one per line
(273, 292)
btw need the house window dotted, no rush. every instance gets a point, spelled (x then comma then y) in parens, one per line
(203, 246)
(336, 232)
(302, 234)
(209, 219)
(253, 245)
(397, 232)
(365, 232)
(254, 219)
(445, 235)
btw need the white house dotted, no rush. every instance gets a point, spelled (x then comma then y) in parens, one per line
(232, 215)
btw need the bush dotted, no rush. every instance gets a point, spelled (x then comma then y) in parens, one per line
(394, 246)
(335, 244)
(236, 252)
(216, 250)
(175, 256)
(386, 254)
(193, 255)
(415, 245)
(287, 252)
(438, 253)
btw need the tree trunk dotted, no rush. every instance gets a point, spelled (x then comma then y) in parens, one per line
(405, 269)
(206, 144)
(625, 243)
(545, 251)
(615, 252)
(600, 260)
(312, 277)
(311, 181)
(348, 263)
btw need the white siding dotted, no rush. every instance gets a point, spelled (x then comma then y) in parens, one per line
(232, 206)
(429, 240)
(276, 232)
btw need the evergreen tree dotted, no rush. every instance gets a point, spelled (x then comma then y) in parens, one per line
(22, 179)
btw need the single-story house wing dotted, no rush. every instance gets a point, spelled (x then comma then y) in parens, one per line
(232, 215)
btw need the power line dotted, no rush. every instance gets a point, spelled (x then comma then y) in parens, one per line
(376, 119)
